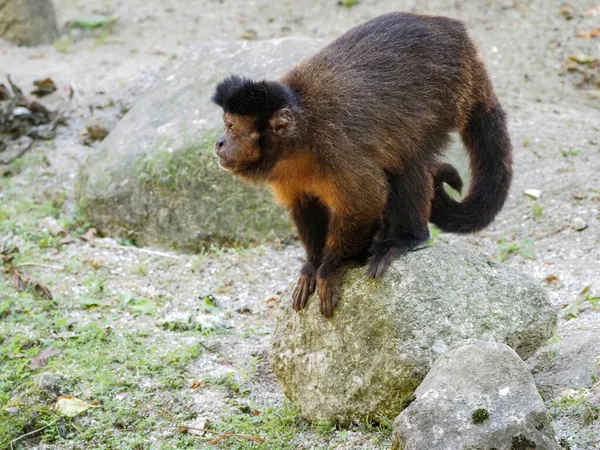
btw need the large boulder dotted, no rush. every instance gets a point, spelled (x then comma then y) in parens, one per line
(155, 178)
(367, 361)
(28, 22)
(479, 395)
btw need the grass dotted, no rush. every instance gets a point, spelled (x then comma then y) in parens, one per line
(507, 249)
(112, 347)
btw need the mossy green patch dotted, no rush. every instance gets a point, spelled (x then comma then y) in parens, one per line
(480, 415)
(176, 195)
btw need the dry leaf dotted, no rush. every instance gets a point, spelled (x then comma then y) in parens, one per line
(590, 34)
(551, 277)
(121, 395)
(40, 359)
(583, 59)
(44, 87)
(70, 406)
(196, 384)
(89, 235)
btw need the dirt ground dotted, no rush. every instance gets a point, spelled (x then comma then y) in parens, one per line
(554, 111)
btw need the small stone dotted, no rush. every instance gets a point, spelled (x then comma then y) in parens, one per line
(50, 382)
(98, 128)
(21, 111)
(578, 224)
(533, 193)
(52, 226)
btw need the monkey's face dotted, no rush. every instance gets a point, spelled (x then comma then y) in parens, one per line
(250, 146)
(239, 146)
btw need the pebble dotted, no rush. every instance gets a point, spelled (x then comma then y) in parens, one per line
(533, 193)
(578, 224)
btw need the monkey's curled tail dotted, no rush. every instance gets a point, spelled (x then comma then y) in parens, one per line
(490, 151)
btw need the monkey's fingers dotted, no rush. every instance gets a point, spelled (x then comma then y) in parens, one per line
(328, 296)
(304, 289)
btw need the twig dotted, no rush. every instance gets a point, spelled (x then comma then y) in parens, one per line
(30, 433)
(243, 436)
(136, 249)
(46, 266)
(220, 436)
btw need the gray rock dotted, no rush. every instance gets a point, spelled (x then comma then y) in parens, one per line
(385, 334)
(155, 177)
(28, 22)
(477, 396)
(50, 382)
(570, 362)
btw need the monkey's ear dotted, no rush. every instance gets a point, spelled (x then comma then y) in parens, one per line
(282, 123)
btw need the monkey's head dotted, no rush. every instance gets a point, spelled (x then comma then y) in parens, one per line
(260, 125)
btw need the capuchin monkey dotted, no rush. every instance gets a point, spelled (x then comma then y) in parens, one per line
(348, 141)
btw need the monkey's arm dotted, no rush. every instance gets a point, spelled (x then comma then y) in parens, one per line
(348, 242)
(311, 218)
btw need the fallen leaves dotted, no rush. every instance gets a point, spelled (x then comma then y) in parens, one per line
(21, 282)
(590, 34)
(70, 406)
(23, 120)
(583, 59)
(585, 300)
(196, 384)
(138, 305)
(586, 67)
(40, 360)
(43, 87)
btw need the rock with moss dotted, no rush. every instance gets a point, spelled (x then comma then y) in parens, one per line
(367, 360)
(478, 395)
(155, 178)
(28, 22)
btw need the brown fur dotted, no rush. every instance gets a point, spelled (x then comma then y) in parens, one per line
(348, 141)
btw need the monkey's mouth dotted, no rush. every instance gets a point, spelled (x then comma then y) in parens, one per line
(224, 164)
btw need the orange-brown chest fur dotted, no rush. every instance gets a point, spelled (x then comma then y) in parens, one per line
(299, 175)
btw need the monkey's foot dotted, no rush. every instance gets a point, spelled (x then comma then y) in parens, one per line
(328, 295)
(381, 259)
(382, 255)
(305, 287)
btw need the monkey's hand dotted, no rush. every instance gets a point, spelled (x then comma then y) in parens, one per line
(328, 294)
(305, 286)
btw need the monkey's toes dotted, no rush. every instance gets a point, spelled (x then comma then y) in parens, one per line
(304, 289)
(381, 260)
(328, 296)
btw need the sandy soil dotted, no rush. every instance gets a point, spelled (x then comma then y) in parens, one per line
(554, 120)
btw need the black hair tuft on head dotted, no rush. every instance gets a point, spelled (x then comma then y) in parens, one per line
(243, 96)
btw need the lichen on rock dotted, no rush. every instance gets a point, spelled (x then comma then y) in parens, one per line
(154, 177)
(368, 360)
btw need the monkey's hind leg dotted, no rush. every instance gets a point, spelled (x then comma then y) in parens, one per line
(311, 218)
(405, 218)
